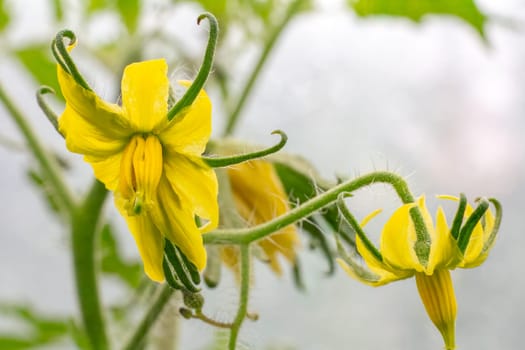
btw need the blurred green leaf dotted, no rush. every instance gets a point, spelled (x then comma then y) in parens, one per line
(217, 7)
(59, 12)
(40, 182)
(219, 341)
(4, 15)
(112, 262)
(95, 5)
(129, 12)
(44, 329)
(37, 60)
(417, 9)
(79, 336)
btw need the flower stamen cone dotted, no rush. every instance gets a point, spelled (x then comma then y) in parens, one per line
(140, 172)
(437, 294)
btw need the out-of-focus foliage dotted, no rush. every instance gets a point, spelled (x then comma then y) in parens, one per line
(112, 263)
(252, 23)
(467, 10)
(38, 61)
(38, 329)
(4, 16)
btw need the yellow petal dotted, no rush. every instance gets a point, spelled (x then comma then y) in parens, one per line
(90, 125)
(437, 294)
(282, 242)
(385, 273)
(177, 223)
(259, 197)
(145, 89)
(257, 185)
(191, 133)
(443, 251)
(149, 241)
(398, 239)
(107, 170)
(196, 184)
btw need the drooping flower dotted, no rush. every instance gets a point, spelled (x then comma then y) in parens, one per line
(259, 197)
(398, 259)
(152, 165)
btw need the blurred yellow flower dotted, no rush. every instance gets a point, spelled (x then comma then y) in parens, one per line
(259, 197)
(152, 165)
(397, 259)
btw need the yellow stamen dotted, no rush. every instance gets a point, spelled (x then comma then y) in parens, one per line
(437, 294)
(140, 172)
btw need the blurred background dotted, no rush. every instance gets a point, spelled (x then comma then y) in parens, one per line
(438, 100)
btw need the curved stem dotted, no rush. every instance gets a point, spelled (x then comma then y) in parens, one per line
(221, 162)
(46, 162)
(248, 86)
(139, 335)
(204, 71)
(243, 297)
(200, 316)
(248, 235)
(85, 222)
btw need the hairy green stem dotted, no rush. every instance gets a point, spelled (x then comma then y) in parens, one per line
(47, 163)
(85, 223)
(139, 335)
(268, 46)
(243, 297)
(251, 234)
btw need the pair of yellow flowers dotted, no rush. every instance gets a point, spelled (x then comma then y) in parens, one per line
(161, 185)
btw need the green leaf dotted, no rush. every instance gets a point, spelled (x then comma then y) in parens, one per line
(38, 62)
(57, 7)
(301, 186)
(43, 329)
(112, 262)
(217, 7)
(95, 5)
(4, 16)
(38, 180)
(466, 10)
(129, 12)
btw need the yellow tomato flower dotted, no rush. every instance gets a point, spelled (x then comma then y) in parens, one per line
(259, 197)
(397, 259)
(152, 165)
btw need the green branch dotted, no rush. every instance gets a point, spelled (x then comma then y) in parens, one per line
(136, 342)
(47, 163)
(248, 86)
(251, 234)
(85, 223)
(243, 297)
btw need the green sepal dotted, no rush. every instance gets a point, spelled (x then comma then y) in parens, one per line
(358, 229)
(298, 275)
(171, 278)
(64, 59)
(318, 240)
(204, 71)
(51, 116)
(458, 218)
(182, 268)
(492, 235)
(221, 162)
(212, 272)
(470, 224)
